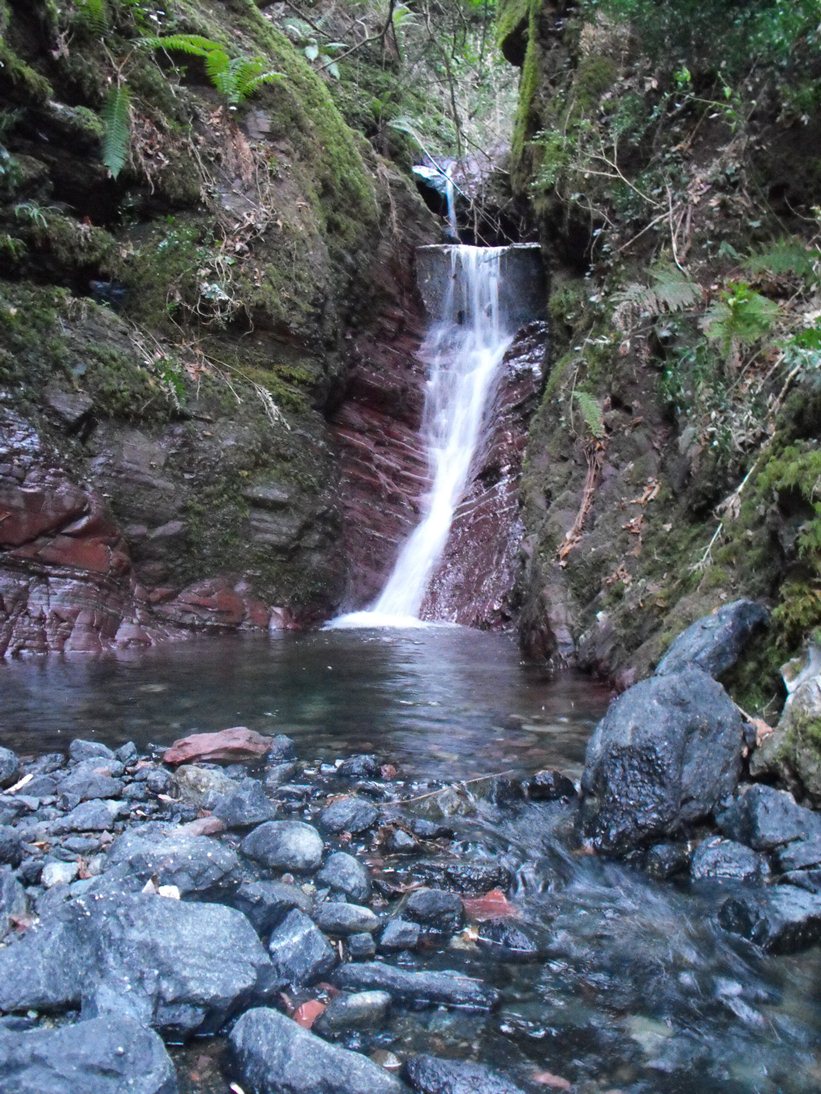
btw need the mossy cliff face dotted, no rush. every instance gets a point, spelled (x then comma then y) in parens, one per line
(672, 464)
(174, 341)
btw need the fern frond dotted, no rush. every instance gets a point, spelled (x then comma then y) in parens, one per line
(786, 257)
(741, 316)
(116, 116)
(673, 289)
(192, 44)
(591, 412)
(93, 15)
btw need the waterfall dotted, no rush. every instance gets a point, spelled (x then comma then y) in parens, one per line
(463, 350)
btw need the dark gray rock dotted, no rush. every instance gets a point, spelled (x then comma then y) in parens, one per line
(428, 829)
(345, 874)
(550, 786)
(13, 902)
(780, 919)
(349, 814)
(338, 919)
(471, 878)
(285, 845)
(665, 860)
(436, 909)
(159, 781)
(802, 854)
(89, 780)
(504, 941)
(433, 1075)
(363, 766)
(102, 1056)
(282, 748)
(183, 968)
(300, 953)
(266, 903)
(399, 842)
(361, 946)
(200, 867)
(665, 754)
(362, 1010)
(86, 750)
(9, 767)
(246, 806)
(99, 815)
(126, 753)
(399, 934)
(10, 850)
(273, 1053)
(715, 642)
(724, 859)
(278, 775)
(444, 988)
(765, 818)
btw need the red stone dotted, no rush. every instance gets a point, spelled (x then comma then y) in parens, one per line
(493, 905)
(227, 746)
(307, 1013)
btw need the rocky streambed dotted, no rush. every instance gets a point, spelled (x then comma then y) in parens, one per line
(229, 914)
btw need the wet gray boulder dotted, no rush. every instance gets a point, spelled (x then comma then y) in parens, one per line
(504, 941)
(549, 786)
(780, 919)
(9, 767)
(273, 1053)
(102, 1056)
(182, 968)
(362, 1010)
(80, 749)
(200, 867)
(399, 934)
(363, 766)
(446, 987)
(281, 748)
(471, 878)
(344, 874)
(266, 903)
(766, 818)
(337, 918)
(285, 845)
(665, 754)
(717, 859)
(349, 814)
(245, 806)
(433, 1075)
(436, 909)
(300, 953)
(715, 642)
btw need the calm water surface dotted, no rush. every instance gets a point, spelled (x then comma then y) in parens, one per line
(443, 701)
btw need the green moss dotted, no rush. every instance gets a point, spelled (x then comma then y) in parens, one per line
(594, 75)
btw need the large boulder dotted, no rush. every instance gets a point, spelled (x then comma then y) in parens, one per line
(780, 919)
(109, 1055)
(182, 968)
(273, 1053)
(665, 754)
(715, 642)
(285, 845)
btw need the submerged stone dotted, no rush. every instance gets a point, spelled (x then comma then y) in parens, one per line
(433, 1075)
(362, 1010)
(274, 1054)
(446, 987)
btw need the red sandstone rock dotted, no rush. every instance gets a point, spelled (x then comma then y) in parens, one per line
(228, 746)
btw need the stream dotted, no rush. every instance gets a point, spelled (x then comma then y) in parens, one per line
(632, 986)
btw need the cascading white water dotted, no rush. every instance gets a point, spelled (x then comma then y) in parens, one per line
(463, 351)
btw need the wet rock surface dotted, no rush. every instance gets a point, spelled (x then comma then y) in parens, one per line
(147, 907)
(667, 752)
(715, 642)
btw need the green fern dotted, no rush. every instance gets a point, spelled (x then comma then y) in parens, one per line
(740, 317)
(591, 412)
(236, 78)
(669, 290)
(94, 16)
(116, 115)
(786, 257)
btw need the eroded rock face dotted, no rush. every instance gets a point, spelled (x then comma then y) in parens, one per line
(665, 754)
(474, 583)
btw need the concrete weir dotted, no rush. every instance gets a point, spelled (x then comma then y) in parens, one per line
(522, 289)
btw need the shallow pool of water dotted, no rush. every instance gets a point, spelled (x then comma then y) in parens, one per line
(439, 701)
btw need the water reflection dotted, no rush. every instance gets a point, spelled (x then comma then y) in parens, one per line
(421, 697)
